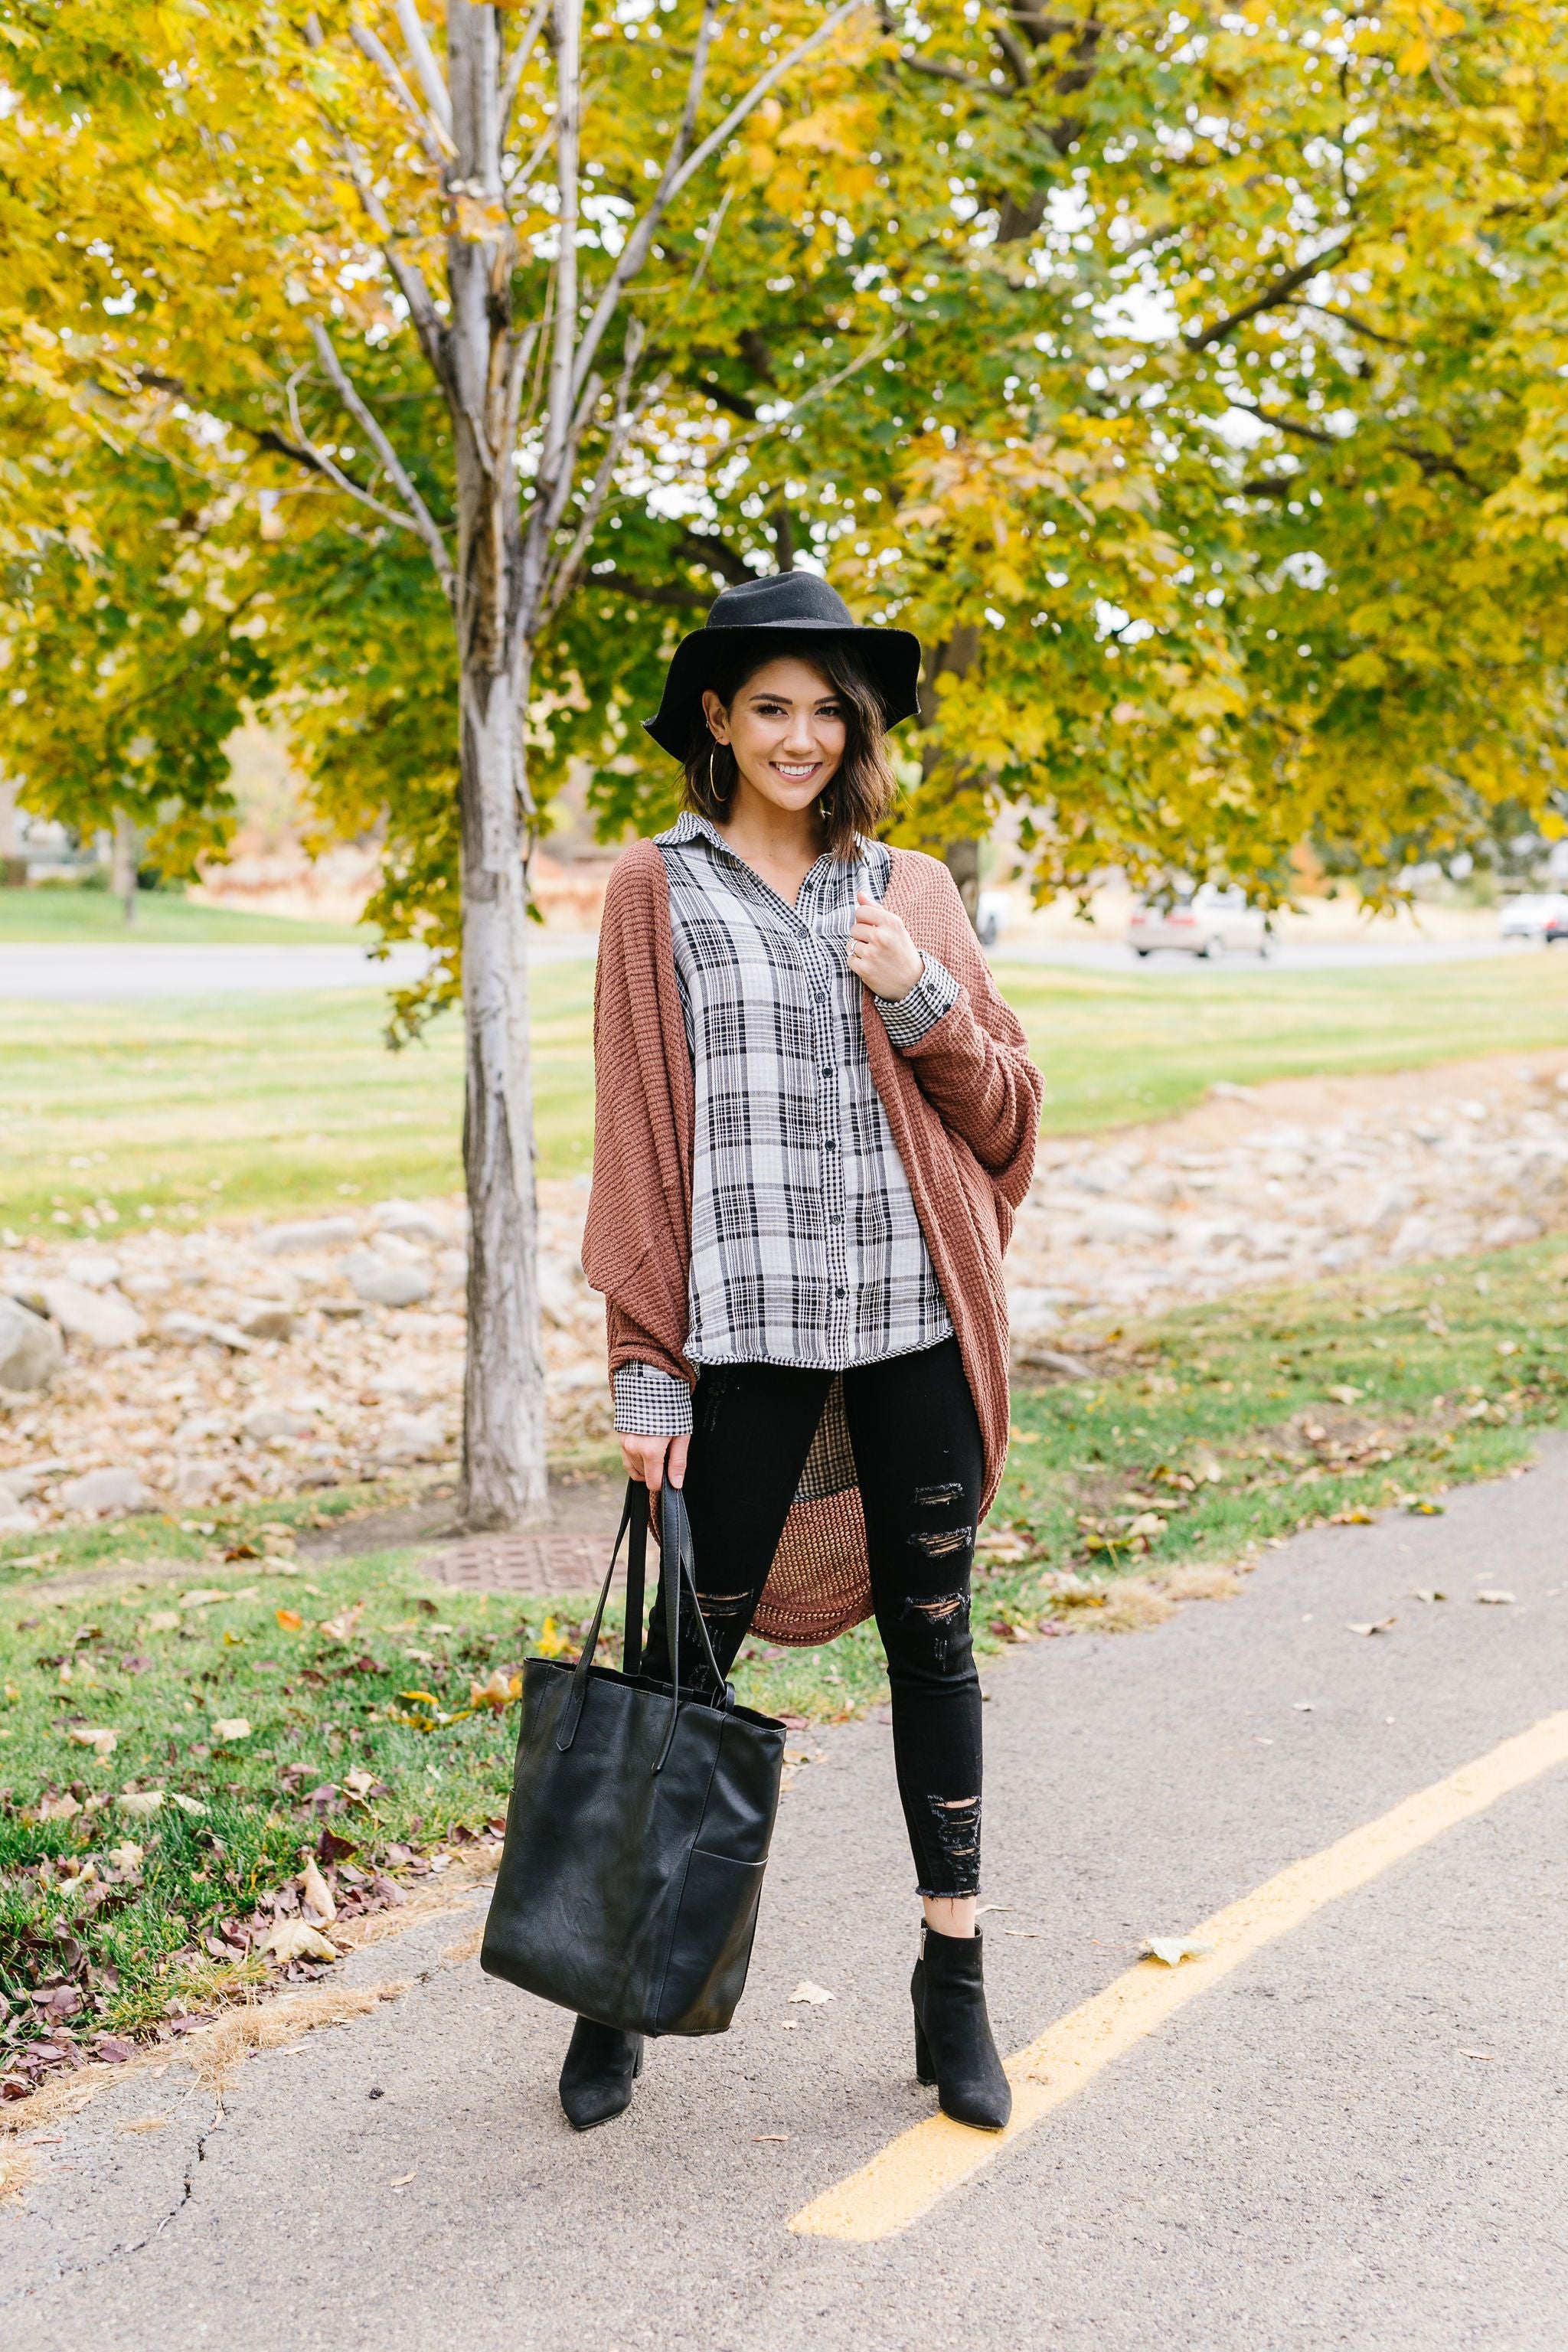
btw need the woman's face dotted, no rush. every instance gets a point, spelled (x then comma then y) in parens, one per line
(786, 729)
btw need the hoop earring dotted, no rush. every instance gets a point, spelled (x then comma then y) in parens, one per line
(712, 779)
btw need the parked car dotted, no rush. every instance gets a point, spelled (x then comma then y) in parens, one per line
(1532, 916)
(1208, 921)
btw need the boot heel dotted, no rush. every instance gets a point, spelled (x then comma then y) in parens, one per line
(924, 2070)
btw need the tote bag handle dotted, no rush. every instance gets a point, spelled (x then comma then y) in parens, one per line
(676, 1568)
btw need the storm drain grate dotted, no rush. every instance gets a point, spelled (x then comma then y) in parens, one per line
(542, 1563)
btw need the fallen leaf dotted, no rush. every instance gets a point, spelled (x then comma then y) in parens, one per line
(143, 1803)
(295, 1939)
(1175, 1949)
(1380, 1625)
(1478, 2053)
(1429, 1592)
(1420, 1508)
(404, 2178)
(498, 1691)
(1304, 1706)
(1496, 1600)
(102, 1742)
(163, 1621)
(144, 2122)
(290, 1618)
(766, 2138)
(231, 1726)
(815, 1993)
(204, 1597)
(57, 1809)
(359, 1781)
(186, 1804)
(127, 1856)
(339, 1628)
(1346, 1394)
(317, 1895)
(1356, 1518)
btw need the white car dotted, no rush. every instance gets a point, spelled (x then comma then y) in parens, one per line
(1209, 921)
(1531, 915)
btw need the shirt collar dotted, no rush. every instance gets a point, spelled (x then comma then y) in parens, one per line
(690, 828)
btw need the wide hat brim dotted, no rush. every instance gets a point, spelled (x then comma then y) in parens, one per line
(891, 658)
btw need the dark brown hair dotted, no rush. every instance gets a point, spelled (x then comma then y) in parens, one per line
(862, 789)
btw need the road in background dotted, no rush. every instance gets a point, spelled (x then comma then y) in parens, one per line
(1354, 2139)
(84, 973)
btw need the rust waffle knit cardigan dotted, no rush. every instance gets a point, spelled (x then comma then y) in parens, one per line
(964, 1108)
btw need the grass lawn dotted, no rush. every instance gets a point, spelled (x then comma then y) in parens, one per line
(285, 1103)
(71, 915)
(255, 1711)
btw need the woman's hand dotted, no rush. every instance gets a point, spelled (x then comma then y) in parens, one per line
(651, 1459)
(881, 952)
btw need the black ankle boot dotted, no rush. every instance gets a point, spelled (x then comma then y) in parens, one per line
(953, 2048)
(601, 2064)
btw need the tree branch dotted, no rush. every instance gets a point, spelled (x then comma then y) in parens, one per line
(1272, 296)
(649, 592)
(564, 569)
(418, 517)
(1360, 326)
(676, 174)
(518, 61)
(435, 142)
(438, 97)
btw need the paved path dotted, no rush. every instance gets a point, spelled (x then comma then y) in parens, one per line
(1310, 2154)
(109, 973)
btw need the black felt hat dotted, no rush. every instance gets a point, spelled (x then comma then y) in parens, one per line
(786, 604)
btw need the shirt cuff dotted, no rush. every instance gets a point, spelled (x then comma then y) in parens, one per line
(908, 1018)
(650, 1402)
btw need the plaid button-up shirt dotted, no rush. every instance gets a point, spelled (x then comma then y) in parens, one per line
(806, 1244)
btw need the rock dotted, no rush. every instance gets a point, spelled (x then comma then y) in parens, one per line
(31, 1350)
(1031, 1310)
(268, 1421)
(1389, 1203)
(264, 1318)
(188, 1330)
(404, 1217)
(102, 1318)
(1227, 1090)
(1507, 1233)
(413, 1437)
(146, 1285)
(452, 1264)
(381, 1285)
(321, 1232)
(1413, 1239)
(93, 1273)
(1124, 1220)
(1053, 1359)
(410, 1384)
(102, 1492)
(196, 1480)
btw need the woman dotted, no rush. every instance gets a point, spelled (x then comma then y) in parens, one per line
(816, 1119)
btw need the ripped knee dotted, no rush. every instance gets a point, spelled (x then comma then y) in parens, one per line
(944, 1616)
(956, 1821)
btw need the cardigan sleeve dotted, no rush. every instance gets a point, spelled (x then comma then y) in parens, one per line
(635, 1243)
(974, 1065)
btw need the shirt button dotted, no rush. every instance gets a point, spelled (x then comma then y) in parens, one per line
(827, 1071)
(838, 1294)
(830, 1145)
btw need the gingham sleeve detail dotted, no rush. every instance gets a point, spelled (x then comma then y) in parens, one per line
(650, 1402)
(907, 1019)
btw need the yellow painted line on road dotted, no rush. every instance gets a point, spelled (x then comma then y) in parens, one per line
(923, 2164)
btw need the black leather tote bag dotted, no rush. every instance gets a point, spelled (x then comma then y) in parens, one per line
(639, 1822)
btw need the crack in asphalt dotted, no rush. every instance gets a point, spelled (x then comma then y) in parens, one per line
(120, 2253)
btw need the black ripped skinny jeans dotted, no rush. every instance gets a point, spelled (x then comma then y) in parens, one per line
(920, 1461)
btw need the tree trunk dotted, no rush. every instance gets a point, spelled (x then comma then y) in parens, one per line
(504, 1472)
(505, 1479)
(13, 864)
(126, 856)
(961, 859)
